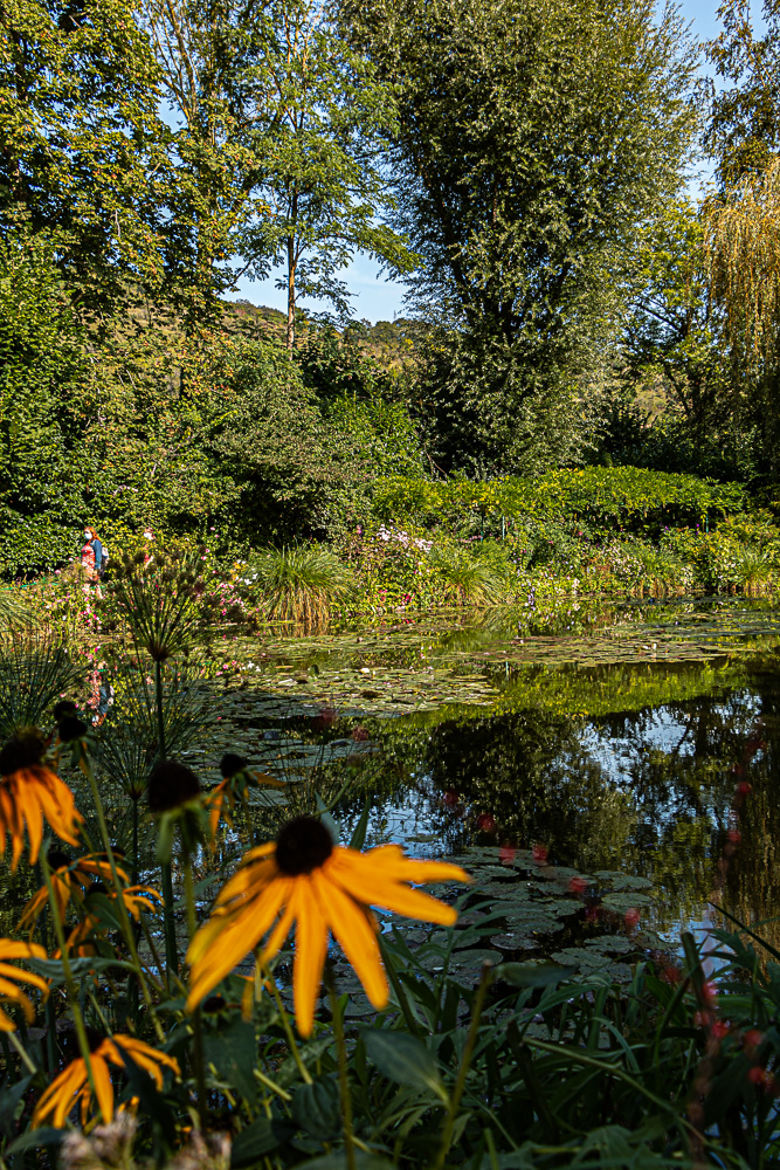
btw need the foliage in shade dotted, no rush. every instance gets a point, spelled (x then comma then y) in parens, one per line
(43, 408)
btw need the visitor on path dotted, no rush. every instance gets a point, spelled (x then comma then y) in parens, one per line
(148, 537)
(92, 559)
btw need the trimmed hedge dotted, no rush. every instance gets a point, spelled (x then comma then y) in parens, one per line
(623, 497)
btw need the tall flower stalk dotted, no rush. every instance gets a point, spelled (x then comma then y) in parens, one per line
(159, 602)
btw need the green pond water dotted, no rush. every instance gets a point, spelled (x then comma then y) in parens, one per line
(617, 751)
(621, 747)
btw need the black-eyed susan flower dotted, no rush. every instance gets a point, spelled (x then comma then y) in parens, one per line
(74, 885)
(70, 881)
(10, 975)
(135, 898)
(304, 878)
(72, 1086)
(175, 800)
(237, 779)
(29, 793)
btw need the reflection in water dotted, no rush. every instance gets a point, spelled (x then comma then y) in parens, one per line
(685, 794)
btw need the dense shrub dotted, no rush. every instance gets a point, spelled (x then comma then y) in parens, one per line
(619, 497)
(45, 466)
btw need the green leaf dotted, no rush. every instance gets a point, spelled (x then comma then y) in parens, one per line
(9, 1099)
(45, 1136)
(338, 1161)
(261, 1137)
(233, 1052)
(531, 975)
(359, 833)
(316, 1108)
(81, 968)
(404, 1059)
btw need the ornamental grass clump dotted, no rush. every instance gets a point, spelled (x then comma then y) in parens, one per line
(468, 580)
(299, 585)
(35, 670)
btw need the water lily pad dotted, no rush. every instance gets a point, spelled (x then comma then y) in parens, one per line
(621, 903)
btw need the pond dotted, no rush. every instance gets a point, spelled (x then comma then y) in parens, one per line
(645, 743)
(606, 784)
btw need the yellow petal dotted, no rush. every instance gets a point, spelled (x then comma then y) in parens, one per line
(222, 943)
(103, 1089)
(311, 947)
(356, 934)
(355, 876)
(391, 861)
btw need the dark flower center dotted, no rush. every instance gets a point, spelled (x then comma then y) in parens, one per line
(23, 751)
(302, 845)
(57, 858)
(230, 764)
(170, 785)
(63, 708)
(70, 727)
(213, 1003)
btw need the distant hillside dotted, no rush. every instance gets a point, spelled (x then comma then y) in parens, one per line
(390, 343)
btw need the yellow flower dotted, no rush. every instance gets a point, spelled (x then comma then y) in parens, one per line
(234, 787)
(302, 877)
(72, 1085)
(30, 792)
(135, 898)
(10, 949)
(70, 882)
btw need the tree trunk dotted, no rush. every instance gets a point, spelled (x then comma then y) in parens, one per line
(290, 293)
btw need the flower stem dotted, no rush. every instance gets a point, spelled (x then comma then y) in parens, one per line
(465, 1062)
(124, 918)
(341, 1048)
(24, 1055)
(78, 1019)
(169, 924)
(197, 1026)
(302, 1069)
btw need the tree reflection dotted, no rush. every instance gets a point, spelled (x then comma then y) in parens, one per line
(649, 791)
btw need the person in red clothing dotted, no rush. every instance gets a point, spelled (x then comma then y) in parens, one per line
(92, 558)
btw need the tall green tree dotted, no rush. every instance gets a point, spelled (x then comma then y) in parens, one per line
(218, 114)
(743, 110)
(273, 150)
(533, 139)
(742, 218)
(675, 405)
(79, 129)
(327, 194)
(743, 244)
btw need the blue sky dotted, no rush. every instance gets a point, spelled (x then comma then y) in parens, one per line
(377, 299)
